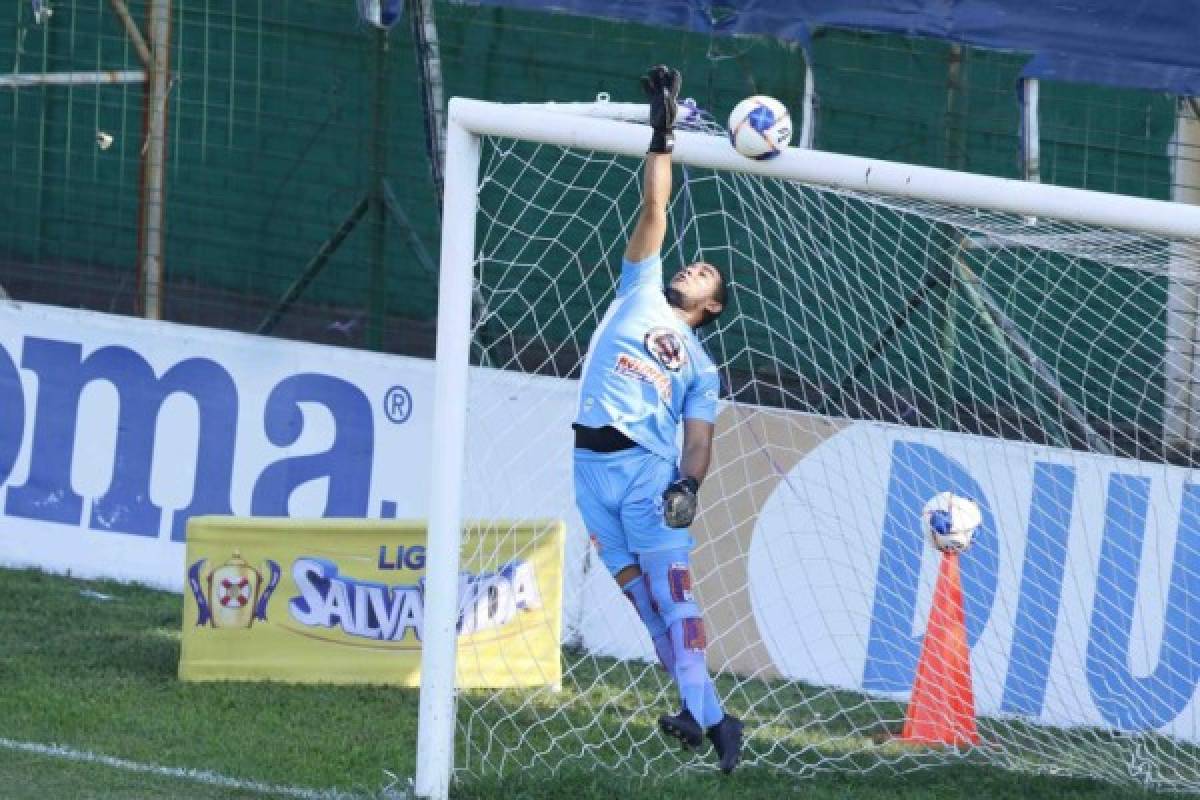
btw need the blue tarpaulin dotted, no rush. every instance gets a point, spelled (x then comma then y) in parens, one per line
(1147, 44)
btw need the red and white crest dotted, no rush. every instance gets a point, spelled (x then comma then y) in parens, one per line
(233, 593)
(667, 348)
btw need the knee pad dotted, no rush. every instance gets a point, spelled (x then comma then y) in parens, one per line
(690, 635)
(670, 581)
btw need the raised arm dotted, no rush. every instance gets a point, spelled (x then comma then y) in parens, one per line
(661, 85)
(647, 238)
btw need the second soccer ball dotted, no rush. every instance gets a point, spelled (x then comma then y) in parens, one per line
(950, 521)
(760, 127)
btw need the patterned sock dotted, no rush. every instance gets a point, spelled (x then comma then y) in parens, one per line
(712, 705)
(666, 652)
(638, 593)
(696, 689)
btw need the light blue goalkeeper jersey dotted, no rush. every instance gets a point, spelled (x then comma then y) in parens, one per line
(645, 370)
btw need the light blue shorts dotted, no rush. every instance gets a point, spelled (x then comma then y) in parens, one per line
(620, 498)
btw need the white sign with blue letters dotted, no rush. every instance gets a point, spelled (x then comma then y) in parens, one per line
(116, 430)
(1082, 587)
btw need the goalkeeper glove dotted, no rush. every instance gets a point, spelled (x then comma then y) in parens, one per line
(680, 501)
(661, 85)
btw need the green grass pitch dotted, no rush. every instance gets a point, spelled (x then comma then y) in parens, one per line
(90, 667)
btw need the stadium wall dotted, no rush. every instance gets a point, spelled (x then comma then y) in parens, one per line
(117, 430)
(271, 123)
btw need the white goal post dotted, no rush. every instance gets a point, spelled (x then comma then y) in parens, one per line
(565, 126)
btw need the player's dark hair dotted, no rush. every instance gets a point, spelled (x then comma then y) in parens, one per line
(720, 294)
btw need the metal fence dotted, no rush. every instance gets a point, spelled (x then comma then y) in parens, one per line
(297, 194)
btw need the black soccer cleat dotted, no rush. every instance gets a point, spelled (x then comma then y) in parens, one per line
(683, 726)
(726, 737)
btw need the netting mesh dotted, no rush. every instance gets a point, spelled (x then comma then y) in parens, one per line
(876, 350)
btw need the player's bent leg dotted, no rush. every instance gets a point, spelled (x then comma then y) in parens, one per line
(623, 566)
(597, 498)
(663, 553)
(596, 494)
(637, 592)
(671, 588)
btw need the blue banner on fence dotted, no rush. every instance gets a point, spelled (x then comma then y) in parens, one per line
(1110, 42)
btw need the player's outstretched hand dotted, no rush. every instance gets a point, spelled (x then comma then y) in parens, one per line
(680, 501)
(661, 84)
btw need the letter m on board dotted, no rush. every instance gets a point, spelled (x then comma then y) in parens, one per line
(126, 507)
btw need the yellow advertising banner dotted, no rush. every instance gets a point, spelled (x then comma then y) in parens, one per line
(342, 601)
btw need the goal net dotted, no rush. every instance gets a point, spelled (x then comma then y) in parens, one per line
(878, 349)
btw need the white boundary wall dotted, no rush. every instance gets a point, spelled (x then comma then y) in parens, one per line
(335, 416)
(102, 449)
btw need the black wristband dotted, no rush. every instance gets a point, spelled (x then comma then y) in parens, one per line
(662, 142)
(691, 483)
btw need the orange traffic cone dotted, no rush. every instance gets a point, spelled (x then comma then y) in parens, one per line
(942, 708)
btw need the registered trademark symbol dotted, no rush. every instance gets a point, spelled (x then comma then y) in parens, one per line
(397, 404)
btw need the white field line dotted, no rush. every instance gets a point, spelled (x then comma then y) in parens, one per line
(194, 775)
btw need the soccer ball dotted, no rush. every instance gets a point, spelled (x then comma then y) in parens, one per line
(950, 521)
(760, 127)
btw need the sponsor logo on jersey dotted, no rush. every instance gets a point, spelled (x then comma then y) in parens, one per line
(667, 348)
(641, 370)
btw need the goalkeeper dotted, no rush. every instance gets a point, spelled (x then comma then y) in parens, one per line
(645, 373)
